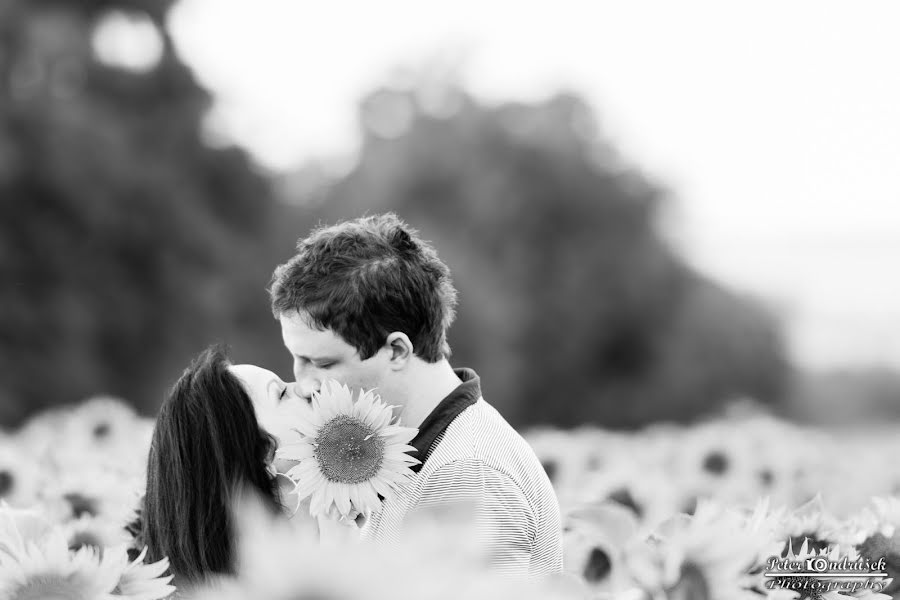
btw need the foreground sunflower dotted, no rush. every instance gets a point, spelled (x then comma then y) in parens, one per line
(144, 581)
(710, 555)
(47, 570)
(349, 452)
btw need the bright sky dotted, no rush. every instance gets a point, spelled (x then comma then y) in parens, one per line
(775, 124)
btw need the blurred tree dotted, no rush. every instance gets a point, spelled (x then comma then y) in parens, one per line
(126, 242)
(572, 307)
(836, 397)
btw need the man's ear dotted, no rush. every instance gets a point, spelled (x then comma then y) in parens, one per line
(400, 347)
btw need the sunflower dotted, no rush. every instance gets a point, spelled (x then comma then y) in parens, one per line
(811, 522)
(884, 514)
(349, 452)
(880, 537)
(712, 460)
(268, 551)
(38, 434)
(96, 532)
(106, 432)
(560, 454)
(18, 527)
(141, 581)
(710, 555)
(595, 537)
(90, 490)
(19, 480)
(46, 569)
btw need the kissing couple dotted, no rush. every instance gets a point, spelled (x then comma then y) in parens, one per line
(366, 303)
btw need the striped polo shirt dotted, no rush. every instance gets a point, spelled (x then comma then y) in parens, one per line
(470, 454)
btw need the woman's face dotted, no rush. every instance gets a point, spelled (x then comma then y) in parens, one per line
(265, 388)
(273, 400)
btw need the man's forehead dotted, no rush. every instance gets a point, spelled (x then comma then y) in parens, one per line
(302, 338)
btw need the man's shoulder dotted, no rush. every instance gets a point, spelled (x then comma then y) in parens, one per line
(480, 433)
(479, 428)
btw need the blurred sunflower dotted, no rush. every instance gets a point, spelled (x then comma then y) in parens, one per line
(648, 493)
(812, 524)
(269, 551)
(707, 556)
(104, 419)
(47, 569)
(19, 476)
(106, 432)
(762, 530)
(884, 513)
(558, 453)
(600, 449)
(94, 532)
(18, 527)
(713, 460)
(90, 490)
(140, 581)
(349, 453)
(39, 433)
(771, 459)
(880, 533)
(594, 541)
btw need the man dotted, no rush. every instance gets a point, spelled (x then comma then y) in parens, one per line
(368, 303)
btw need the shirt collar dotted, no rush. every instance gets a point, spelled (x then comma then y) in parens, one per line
(462, 397)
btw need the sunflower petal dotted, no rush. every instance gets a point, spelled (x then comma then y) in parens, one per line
(298, 451)
(393, 476)
(316, 502)
(372, 411)
(370, 496)
(395, 434)
(379, 487)
(342, 498)
(356, 496)
(309, 485)
(381, 420)
(403, 448)
(303, 470)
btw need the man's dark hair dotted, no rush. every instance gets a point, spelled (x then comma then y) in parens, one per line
(366, 278)
(207, 450)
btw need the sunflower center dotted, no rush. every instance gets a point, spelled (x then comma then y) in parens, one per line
(716, 463)
(624, 497)
(101, 430)
(348, 450)
(85, 538)
(7, 483)
(81, 505)
(598, 565)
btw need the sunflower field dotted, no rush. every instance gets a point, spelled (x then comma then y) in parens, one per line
(711, 511)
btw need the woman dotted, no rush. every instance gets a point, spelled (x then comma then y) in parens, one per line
(208, 448)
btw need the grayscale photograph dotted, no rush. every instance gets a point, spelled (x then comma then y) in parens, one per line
(449, 301)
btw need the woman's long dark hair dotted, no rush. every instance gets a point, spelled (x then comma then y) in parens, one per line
(207, 448)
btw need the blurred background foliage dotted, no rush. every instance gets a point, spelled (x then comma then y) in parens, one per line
(128, 243)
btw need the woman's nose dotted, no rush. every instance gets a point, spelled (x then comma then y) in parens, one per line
(306, 386)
